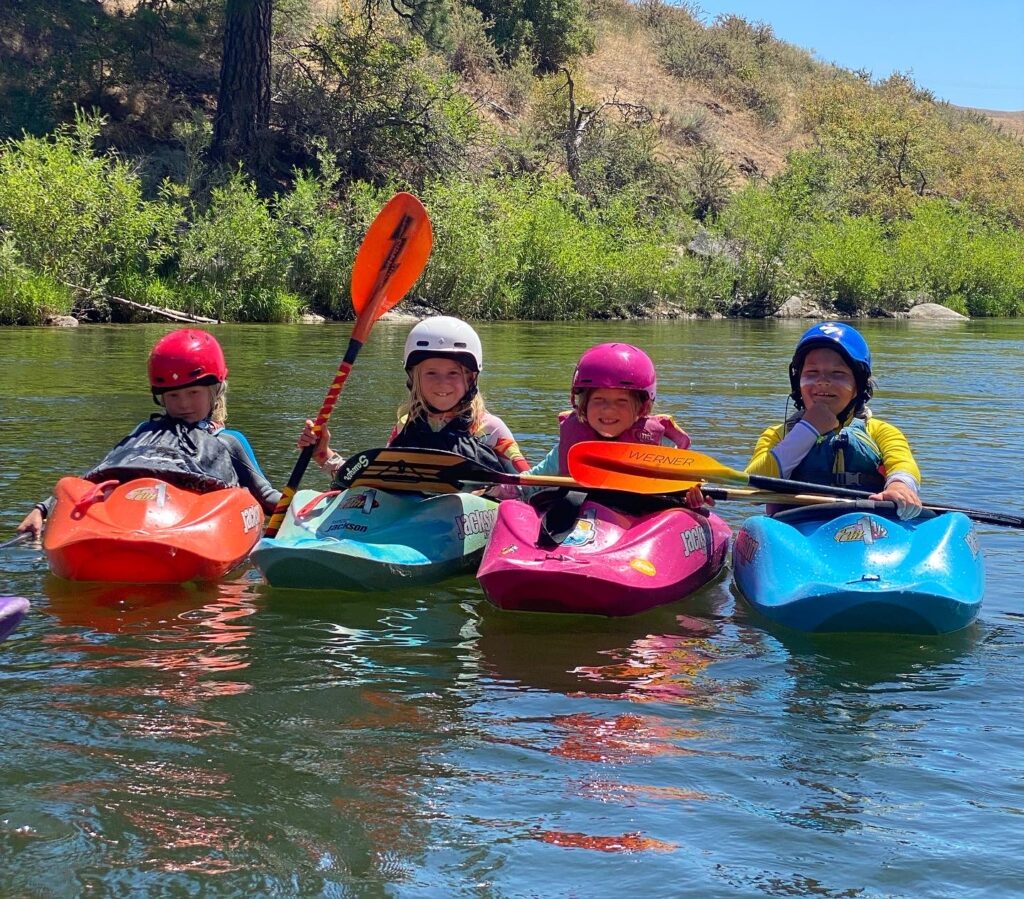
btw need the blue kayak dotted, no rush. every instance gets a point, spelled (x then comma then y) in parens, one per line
(833, 568)
(12, 610)
(365, 539)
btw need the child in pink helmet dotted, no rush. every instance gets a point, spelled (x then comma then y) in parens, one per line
(613, 392)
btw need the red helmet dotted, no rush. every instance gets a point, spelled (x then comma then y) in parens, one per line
(185, 357)
(616, 365)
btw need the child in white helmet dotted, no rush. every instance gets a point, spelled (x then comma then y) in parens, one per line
(444, 410)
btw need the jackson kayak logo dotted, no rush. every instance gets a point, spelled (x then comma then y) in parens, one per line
(585, 531)
(346, 526)
(366, 501)
(479, 521)
(694, 540)
(251, 518)
(746, 547)
(866, 530)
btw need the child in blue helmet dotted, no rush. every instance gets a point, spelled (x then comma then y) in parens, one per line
(833, 438)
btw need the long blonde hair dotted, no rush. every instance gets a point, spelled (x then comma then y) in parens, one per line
(416, 407)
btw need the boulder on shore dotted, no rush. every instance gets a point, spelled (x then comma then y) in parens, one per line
(800, 307)
(935, 312)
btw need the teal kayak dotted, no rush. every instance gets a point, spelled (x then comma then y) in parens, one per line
(365, 539)
(833, 568)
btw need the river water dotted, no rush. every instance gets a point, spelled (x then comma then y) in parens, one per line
(236, 740)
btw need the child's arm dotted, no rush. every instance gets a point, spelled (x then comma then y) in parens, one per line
(774, 460)
(902, 476)
(328, 460)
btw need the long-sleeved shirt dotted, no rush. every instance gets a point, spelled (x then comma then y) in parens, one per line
(778, 453)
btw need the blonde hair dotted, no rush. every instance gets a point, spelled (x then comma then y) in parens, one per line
(416, 407)
(219, 412)
(639, 397)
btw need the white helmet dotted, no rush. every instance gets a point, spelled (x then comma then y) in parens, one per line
(443, 335)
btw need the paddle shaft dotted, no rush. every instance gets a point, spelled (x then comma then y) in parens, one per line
(614, 462)
(368, 312)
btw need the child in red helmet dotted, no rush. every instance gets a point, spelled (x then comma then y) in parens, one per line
(444, 410)
(188, 445)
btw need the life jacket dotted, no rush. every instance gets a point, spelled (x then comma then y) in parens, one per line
(845, 458)
(186, 455)
(649, 429)
(455, 437)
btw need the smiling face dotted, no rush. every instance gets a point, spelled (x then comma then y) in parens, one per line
(826, 379)
(191, 404)
(442, 383)
(612, 410)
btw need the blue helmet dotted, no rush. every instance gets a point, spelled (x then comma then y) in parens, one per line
(846, 341)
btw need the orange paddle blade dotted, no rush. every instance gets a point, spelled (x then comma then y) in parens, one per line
(605, 466)
(619, 463)
(391, 257)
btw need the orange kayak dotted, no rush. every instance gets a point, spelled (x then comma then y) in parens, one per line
(148, 531)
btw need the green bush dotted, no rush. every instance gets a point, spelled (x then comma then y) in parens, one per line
(550, 32)
(846, 262)
(234, 247)
(78, 216)
(27, 297)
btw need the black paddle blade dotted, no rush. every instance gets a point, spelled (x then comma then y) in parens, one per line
(413, 470)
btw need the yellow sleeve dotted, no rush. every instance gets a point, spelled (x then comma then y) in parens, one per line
(763, 462)
(895, 450)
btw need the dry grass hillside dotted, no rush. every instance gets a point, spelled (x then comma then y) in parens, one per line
(626, 64)
(1008, 122)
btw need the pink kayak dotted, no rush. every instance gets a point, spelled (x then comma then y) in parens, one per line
(605, 563)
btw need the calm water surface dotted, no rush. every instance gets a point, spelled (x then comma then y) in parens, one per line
(236, 740)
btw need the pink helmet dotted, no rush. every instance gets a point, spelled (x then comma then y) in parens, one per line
(616, 365)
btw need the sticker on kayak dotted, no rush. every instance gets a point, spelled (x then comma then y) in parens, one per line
(643, 566)
(479, 521)
(866, 529)
(511, 548)
(251, 518)
(972, 543)
(147, 494)
(746, 546)
(694, 540)
(366, 501)
(585, 531)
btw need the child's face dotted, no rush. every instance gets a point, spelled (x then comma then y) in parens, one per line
(612, 410)
(442, 383)
(191, 404)
(826, 379)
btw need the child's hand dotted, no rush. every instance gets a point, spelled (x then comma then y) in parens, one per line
(695, 498)
(908, 503)
(821, 417)
(32, 524)
(308, 438)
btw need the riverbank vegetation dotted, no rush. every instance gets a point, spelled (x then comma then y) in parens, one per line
(587, 158)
